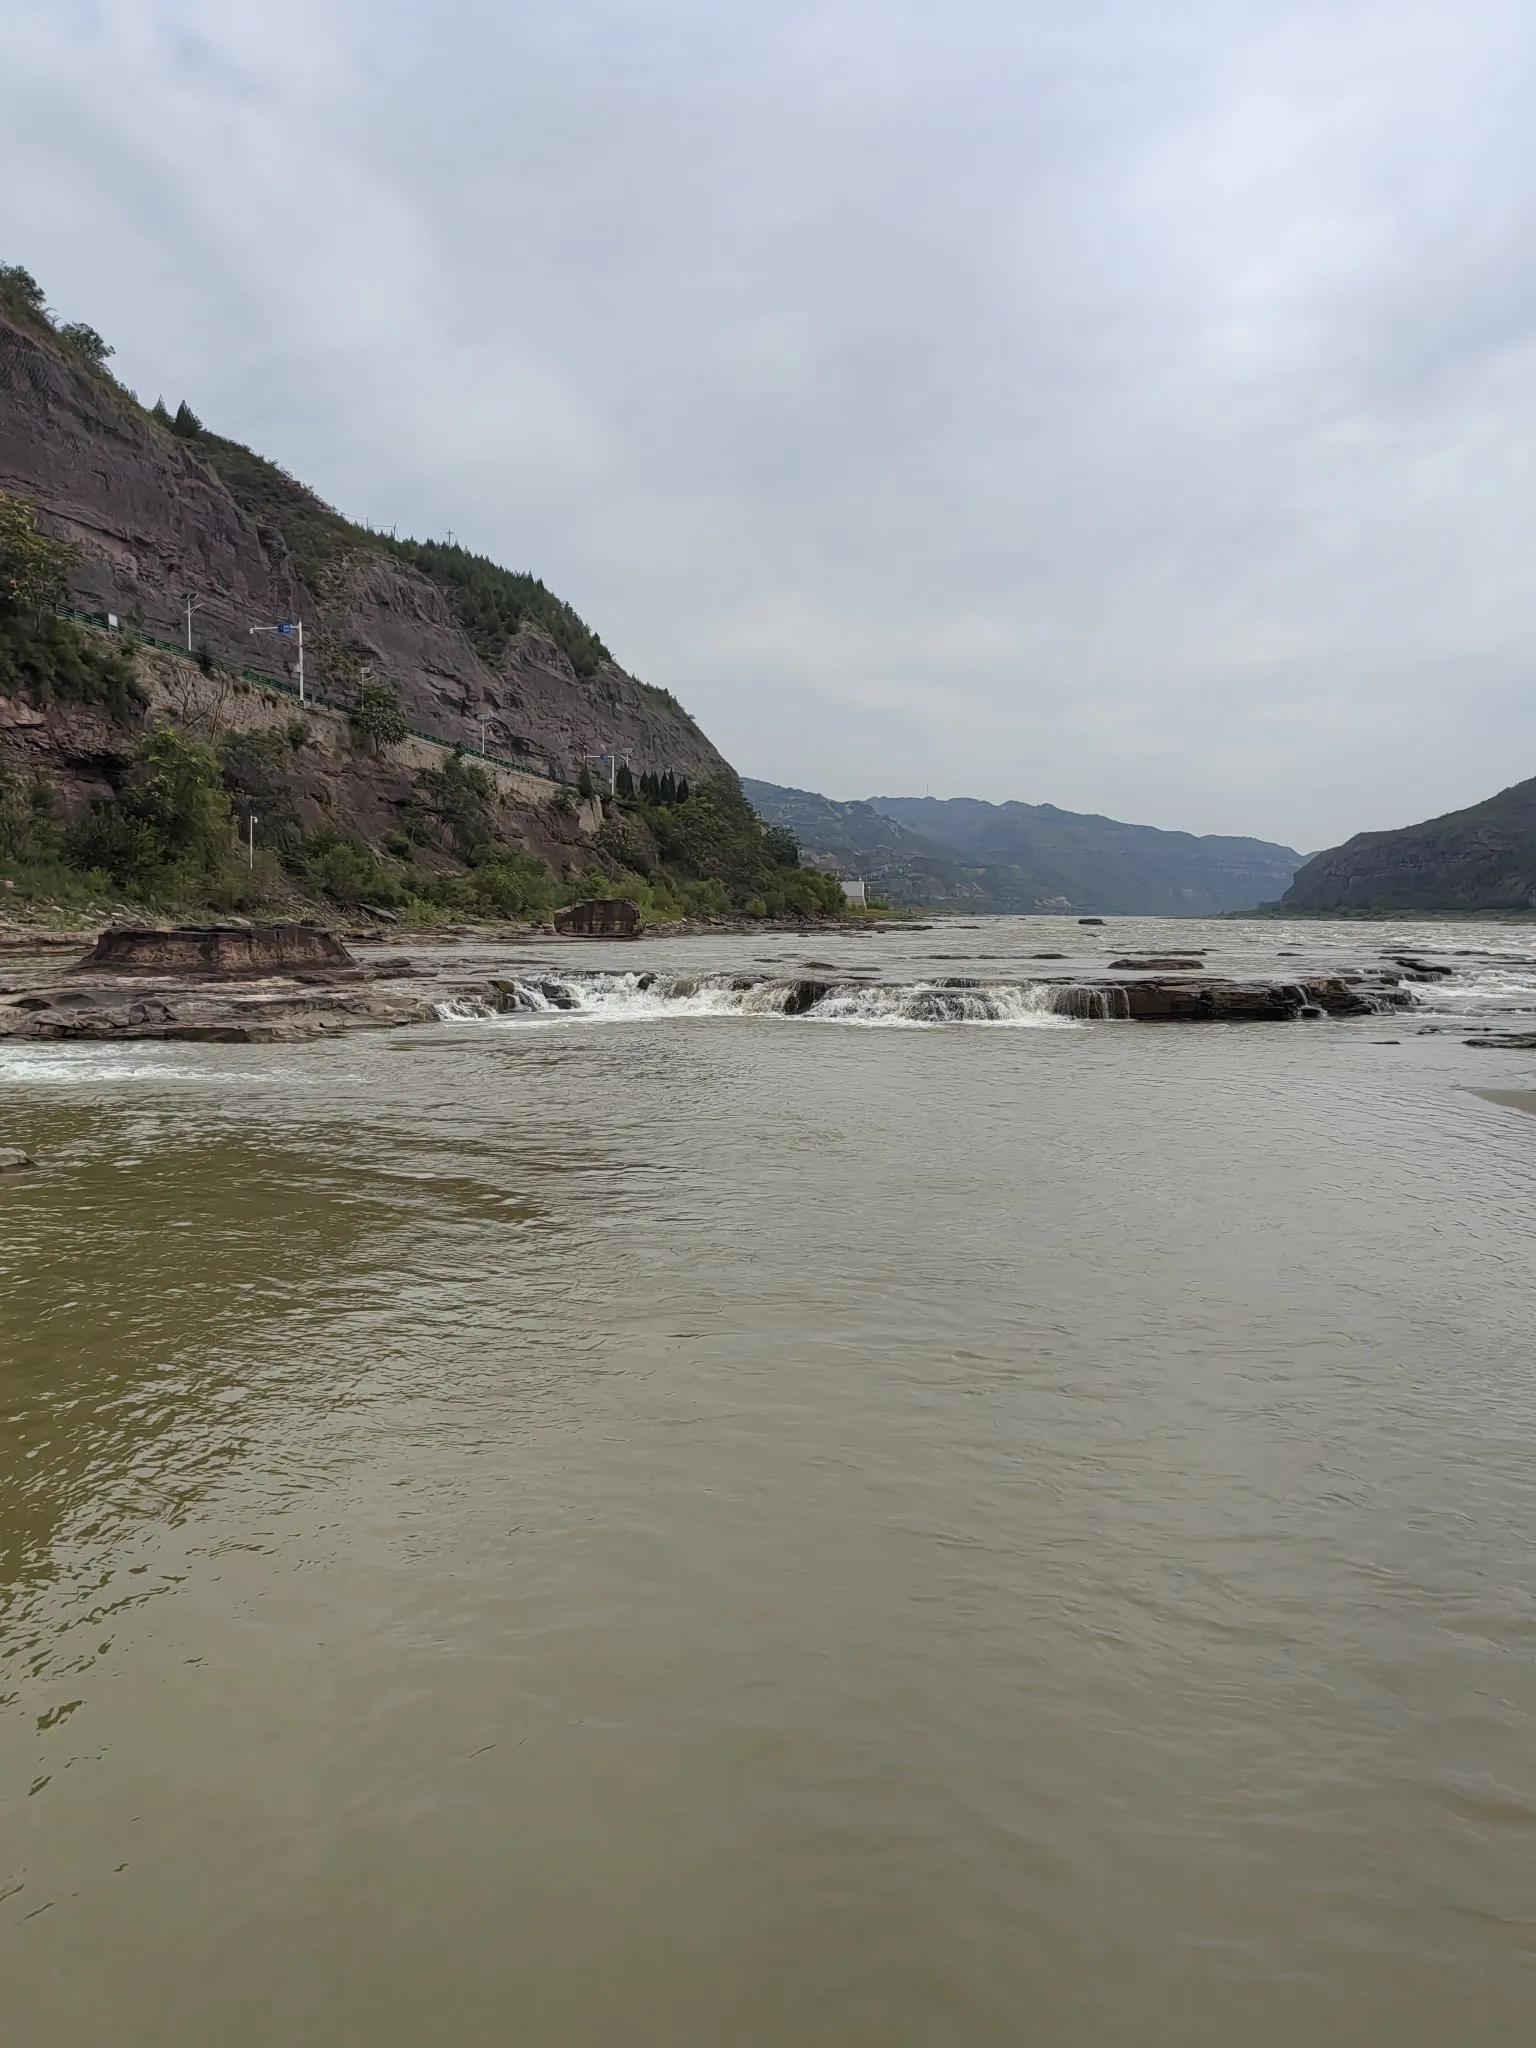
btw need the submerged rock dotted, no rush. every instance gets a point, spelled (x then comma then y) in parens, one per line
(14, 1160)
(804, 995)
(1421, 970)
(1168, 963)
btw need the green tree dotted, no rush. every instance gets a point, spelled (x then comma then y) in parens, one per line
(453, 803)
(349, 872)
(376, 716)
(21, 293)
(34, 570)
(170, 831)
(493, 603)
(29, 819)
(186, 423)
(85, 341)
(511, 884)
(624, 781)
(781, 846)
(179, 791)
(255, 767)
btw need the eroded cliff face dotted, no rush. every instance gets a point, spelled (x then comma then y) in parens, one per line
(150, 519)
(153, 519)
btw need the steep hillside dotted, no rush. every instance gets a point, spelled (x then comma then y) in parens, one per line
(442, 764)
(1483, 858)
(961, 854)
(159, 507)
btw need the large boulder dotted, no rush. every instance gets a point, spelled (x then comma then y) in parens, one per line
(205, 952)
(607, 917)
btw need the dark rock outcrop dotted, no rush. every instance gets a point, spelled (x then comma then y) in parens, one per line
(803, 996)
(1157, 963)
(1213, 1001)
(209, 952)
(610, 917)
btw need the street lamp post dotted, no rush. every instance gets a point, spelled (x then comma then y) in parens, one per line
(190, 603)
(290, 629)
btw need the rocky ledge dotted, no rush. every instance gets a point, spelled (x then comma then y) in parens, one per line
(282, 983)
(206, 951)
(234, 984)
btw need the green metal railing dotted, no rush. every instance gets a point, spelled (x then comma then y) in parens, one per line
(264, 679)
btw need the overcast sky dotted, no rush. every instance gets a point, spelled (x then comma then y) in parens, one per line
(1122, 405)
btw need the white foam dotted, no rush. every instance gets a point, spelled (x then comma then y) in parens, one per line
(625, 998)
(57, 1066)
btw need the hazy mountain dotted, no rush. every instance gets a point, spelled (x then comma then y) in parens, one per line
(1483, 858)
(962, 854)
(856, 835)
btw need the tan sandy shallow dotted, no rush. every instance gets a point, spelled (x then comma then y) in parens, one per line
(1510, 1098)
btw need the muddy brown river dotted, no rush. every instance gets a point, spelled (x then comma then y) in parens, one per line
(664, 1525)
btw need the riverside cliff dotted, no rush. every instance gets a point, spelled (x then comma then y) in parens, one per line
(442, 763)
(156, 512)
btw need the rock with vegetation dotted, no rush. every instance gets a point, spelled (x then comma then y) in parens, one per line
(157, 505)
(136, 776)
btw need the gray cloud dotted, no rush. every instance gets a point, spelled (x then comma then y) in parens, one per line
(1125, 407)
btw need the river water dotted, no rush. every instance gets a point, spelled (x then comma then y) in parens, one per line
(672, 1525)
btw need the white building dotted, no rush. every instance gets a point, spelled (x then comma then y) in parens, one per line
(854, 892)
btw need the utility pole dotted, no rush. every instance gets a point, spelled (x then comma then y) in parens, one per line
(190, 603)
(250, 842)
(290, 629)
(485, 719)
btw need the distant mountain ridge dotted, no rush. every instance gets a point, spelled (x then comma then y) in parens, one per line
(959, 853)
(1482, 858)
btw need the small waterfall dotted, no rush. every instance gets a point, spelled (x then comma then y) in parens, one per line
(1092, 1002)
(914, 1005)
